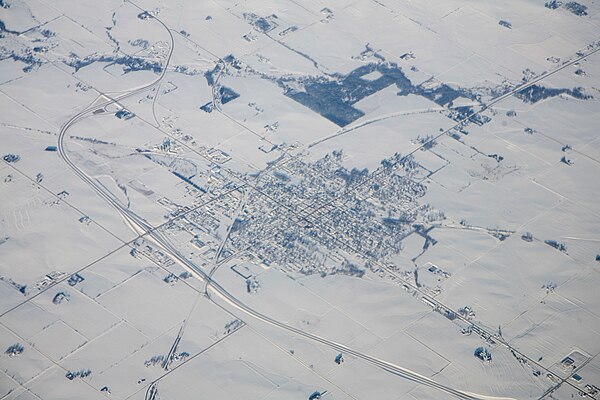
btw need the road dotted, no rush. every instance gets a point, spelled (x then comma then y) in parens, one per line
(140, 226)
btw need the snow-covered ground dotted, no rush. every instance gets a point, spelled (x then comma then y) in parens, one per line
(320, 199)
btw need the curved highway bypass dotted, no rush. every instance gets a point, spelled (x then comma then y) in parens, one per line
(144, 229)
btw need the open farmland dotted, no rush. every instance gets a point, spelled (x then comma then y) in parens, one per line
(316, 199)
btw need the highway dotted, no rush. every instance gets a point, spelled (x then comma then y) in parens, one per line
(142, 228)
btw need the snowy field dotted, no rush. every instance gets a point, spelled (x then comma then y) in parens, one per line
(299, 199)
